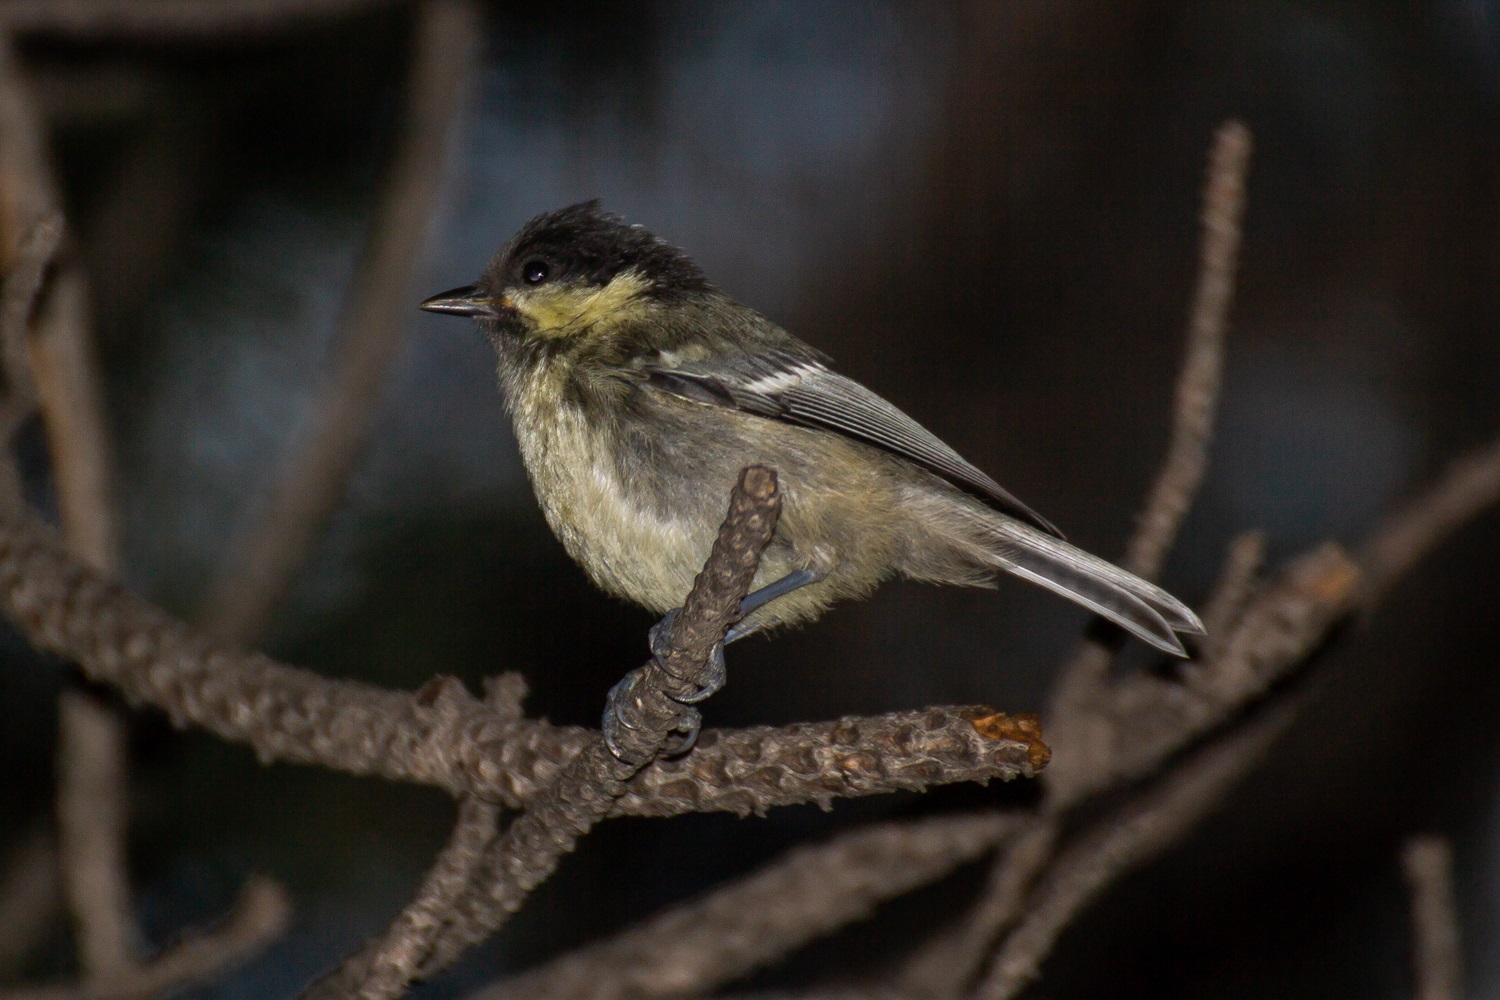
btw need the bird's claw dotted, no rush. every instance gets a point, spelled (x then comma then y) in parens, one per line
(714, 673)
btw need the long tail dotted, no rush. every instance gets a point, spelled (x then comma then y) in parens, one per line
(1140, 608)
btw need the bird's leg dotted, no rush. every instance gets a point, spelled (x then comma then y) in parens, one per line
(715, 675)
(795, 580)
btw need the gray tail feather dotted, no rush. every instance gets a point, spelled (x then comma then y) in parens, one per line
(1140, 608)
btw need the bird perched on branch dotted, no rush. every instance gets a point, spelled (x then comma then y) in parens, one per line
(639, 391)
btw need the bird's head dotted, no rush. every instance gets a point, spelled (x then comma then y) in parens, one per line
(575, 274)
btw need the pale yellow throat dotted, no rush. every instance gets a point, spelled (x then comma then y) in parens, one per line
(560, 311)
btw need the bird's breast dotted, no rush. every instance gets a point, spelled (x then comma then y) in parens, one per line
(610, 522)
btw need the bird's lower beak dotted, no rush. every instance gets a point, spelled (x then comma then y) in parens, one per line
(465, 301)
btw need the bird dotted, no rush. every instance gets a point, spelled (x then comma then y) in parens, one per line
(638, 392)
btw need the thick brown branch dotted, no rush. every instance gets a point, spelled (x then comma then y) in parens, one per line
(749, 923)
(264, 558)
(1438, 953)
(456, 743)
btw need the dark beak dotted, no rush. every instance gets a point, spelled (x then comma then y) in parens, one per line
(465, 301)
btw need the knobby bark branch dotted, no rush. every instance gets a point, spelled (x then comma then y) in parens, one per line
(458, 743)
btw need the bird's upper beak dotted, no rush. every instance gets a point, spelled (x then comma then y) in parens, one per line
(466, 301)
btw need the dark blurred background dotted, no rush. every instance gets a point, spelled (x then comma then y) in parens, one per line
(987, 211)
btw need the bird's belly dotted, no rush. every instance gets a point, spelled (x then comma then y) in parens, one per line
(612, 526)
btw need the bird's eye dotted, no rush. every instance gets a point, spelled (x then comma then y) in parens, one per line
(534, 272)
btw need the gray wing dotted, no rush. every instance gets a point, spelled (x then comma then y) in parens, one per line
(803, 391)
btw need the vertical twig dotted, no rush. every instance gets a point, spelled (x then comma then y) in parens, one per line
(1427, 862)
(92, 755)
(1079, 722)
(264, 558)
(92, 816)
(1076, 719)
(1203, 367)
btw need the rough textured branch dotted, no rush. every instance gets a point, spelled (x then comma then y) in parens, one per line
(455, 742)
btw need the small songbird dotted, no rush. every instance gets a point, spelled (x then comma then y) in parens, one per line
(639, 391)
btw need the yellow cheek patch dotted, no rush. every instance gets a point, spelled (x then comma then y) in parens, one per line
(558, 311)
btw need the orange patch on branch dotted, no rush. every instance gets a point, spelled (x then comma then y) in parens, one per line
(1024, 728)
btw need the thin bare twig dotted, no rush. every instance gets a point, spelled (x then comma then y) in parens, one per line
(1427, 862)
(1121, 842)
(62, 376)
(384, 966)
(1232, 591)
(1471, 485)
(259, 917)
(92, 815)
(651, 709)
(264, 558)
(807, 893)
(72, 404)
(1079, 718)
(18, 294)
(1203, 367)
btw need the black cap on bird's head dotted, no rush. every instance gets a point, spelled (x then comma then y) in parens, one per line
(563, 267)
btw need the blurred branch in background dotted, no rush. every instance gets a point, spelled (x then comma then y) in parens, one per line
(286, 523)
(93, 789)
(1427, 862)
(155, 19)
